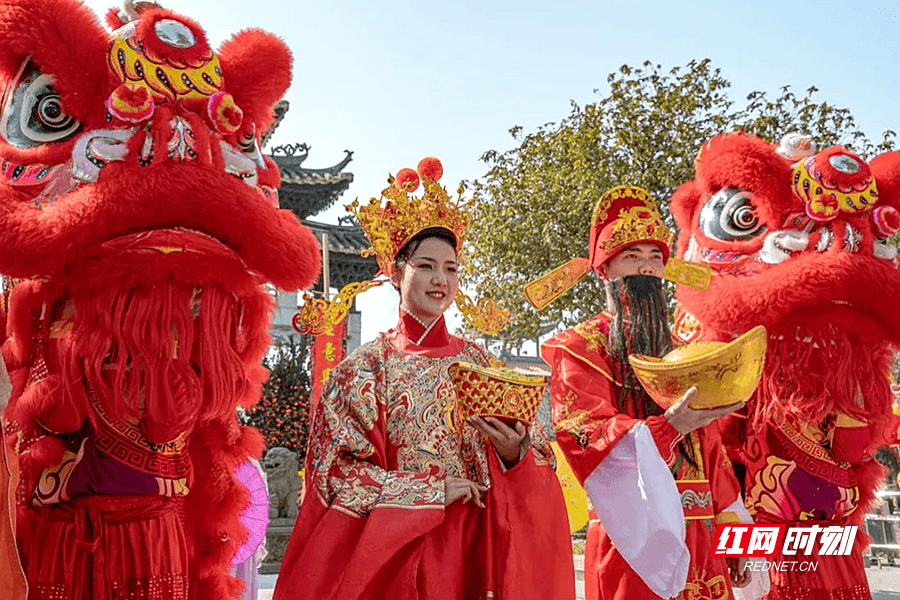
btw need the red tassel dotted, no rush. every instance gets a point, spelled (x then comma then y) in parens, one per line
(826, 370)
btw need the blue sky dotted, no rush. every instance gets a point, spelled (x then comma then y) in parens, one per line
(396, 81)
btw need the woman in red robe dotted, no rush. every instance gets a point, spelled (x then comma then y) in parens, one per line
(400, 503)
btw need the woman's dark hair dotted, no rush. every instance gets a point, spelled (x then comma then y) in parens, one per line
(413, 244)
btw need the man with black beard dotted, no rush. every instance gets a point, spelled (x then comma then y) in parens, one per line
(658, 480)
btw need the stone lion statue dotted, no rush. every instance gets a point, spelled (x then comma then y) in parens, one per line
(282, 471)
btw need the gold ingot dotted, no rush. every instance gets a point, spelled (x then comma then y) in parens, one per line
(502, 393)
(724, 373)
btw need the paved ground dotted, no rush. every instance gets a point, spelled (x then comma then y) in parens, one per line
(267, 585)
(885, 584)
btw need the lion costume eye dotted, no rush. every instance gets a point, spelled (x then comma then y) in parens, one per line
(32, 111)
(730, 216)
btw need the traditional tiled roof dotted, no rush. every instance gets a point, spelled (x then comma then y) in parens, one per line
(308, 192)
(346, 237)
(346, 241)
(280, 109)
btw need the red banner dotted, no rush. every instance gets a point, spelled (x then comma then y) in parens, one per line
(327, 352)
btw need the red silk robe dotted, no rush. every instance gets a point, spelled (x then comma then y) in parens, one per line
(589, 426)
(12, 583)
(373, 524)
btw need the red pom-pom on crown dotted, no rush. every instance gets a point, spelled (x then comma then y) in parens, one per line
(430, 167)
(407, 180)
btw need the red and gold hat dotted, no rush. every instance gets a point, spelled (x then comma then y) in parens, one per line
(626, 215)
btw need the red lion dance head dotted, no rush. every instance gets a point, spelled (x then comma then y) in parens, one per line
(798, 242)
(140, 221)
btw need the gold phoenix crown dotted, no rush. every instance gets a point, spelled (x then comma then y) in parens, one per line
(388, 228)
(403, 215)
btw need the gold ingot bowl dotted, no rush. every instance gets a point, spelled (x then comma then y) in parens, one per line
(502, 393)
(724, 373)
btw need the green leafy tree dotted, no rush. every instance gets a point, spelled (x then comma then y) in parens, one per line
(532, 208)
(282, 415)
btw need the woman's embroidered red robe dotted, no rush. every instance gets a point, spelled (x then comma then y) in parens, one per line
(627, 465)
(373, 523)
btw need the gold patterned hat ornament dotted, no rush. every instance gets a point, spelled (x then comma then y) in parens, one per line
(502, 393)
(389, 224)
(724, 373)
(544, 290)
(485, 314)
(625, 215)
(318, 316)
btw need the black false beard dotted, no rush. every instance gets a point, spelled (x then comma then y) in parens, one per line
(640, 325)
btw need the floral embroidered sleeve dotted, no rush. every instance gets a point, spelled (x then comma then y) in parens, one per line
(347, 463)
